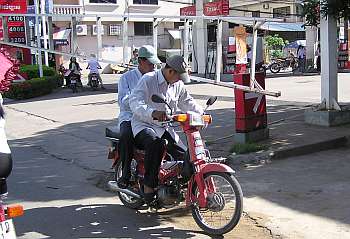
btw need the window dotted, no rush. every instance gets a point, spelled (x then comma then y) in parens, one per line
(115, 30)
(143, 28)
(281, 12)
(103, 1)
(150, 2)
(256, 14)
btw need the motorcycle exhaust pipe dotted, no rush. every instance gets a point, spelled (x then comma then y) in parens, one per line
(113, 186)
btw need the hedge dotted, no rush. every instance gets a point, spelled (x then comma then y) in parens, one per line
(33, 71)
(34, 87)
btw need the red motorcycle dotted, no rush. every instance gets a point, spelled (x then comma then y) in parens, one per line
(206, 184)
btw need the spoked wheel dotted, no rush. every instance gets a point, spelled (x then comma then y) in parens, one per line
(127, 200)
(225, 204)
(275, 68)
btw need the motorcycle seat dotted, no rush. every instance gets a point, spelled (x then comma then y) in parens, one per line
(113, 132)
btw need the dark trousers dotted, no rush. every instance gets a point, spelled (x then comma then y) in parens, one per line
(126, 148)
(154, 150)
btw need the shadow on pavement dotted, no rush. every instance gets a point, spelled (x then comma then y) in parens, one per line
(96, 221)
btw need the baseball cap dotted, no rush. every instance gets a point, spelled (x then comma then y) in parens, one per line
(149, 53)
(178, 63)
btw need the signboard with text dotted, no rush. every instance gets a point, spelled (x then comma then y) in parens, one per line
(188, 11)
(216, 8)
(13, 6)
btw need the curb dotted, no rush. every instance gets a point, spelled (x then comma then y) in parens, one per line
(265, 156)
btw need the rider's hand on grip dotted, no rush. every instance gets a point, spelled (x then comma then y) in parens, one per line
(160, 115)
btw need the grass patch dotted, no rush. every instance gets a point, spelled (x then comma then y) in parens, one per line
(247, 148)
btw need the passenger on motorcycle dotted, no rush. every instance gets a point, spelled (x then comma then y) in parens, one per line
(146, 123)
(147, 59)
(94, 66)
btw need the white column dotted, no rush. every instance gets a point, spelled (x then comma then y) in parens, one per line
(253, 60)
(218, 51)
(155, 34)
(186, 40)
(43, 24)
(50, 33)
(125, 40)
(329, 68)
(99, 37)
(201, 39)
(37, 25)
(4, 27)
(74, 36)
(311, 38)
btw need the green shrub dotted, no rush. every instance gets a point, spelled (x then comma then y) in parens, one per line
(33, 71)
(55, 80)
(30, 88)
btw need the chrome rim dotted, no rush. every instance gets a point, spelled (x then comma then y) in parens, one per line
(221, 204)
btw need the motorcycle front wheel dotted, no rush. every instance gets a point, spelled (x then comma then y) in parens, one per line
(127, 200)
(225, 204)
(275, 68)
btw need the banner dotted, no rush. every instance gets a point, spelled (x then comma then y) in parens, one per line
(13, 6)
(216, 8)
(241, 45)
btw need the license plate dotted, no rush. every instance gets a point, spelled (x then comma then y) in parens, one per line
(73, 81)
(7, 230)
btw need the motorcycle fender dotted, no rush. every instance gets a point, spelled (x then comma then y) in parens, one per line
(216, 167)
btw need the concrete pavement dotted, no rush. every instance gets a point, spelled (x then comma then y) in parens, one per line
(59, 142)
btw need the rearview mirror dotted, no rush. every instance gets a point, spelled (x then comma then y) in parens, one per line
(158, 99)
(211, 100)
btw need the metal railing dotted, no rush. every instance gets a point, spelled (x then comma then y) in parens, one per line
(67, 9)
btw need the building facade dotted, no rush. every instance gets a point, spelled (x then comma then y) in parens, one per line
(140, 31)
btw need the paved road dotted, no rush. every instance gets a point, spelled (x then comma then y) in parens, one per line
(60, 166)
(60, 155)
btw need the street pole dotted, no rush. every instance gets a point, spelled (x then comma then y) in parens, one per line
(155, 34)
(37, 25)
(218, 51)
(186, 40)
(99, 37)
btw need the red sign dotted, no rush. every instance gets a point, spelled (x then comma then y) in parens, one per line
(216, 8)
(188, 11)
(13, 6)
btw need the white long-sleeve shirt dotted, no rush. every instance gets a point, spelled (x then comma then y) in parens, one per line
(4, 147)
(127, 83)
(142, 106)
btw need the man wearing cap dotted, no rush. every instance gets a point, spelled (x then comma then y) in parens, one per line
(147, 59)
(147, 116)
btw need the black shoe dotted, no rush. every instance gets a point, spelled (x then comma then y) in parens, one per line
(123, 183)
(149, 198)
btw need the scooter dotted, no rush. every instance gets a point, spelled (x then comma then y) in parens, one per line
(206, 184)
(7, 213)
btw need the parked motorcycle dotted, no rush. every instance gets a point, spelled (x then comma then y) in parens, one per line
(282, 64)
(207, 185)
(94, 83)
(7, 213)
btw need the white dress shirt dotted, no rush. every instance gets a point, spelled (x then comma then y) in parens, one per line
(142, 106)
(127, 83)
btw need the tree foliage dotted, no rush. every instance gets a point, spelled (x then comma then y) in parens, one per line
(312, 9)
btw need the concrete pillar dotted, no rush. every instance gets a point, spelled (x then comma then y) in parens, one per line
(200, 39)
(311, 38)
(50, 33)
(125, 40)
(4, 29)
(218, 51)
(186, 40)
(74, 36)
(99, 37)
(155, 34)
(329, 68)
(38, 40)
(43, 25)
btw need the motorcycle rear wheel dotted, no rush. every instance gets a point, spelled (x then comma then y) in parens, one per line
(230, 195)
(127, 200)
